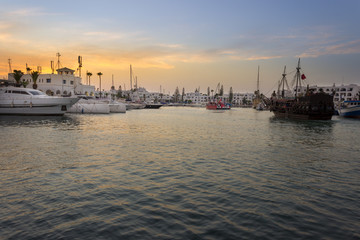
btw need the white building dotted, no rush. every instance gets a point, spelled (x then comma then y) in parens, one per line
(196, 98)
(238, 98)
(63, 83)
(341, 93)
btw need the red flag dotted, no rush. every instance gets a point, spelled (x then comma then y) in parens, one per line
(303, 76)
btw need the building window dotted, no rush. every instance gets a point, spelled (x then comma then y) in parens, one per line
(48, 80)
(64, 81)
(72, 82)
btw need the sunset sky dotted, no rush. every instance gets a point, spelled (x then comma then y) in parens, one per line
(184, 43)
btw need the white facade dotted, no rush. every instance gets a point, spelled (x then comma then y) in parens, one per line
(196, 98)
(341, 93)
(63, 83)
(239, 98)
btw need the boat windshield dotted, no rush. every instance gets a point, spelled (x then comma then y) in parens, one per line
(36, 93)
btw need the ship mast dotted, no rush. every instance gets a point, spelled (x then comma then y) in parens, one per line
(130, 77)
(281, 85)
(298, 81)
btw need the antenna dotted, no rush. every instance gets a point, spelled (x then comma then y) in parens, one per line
(80, 64)
(58, 63)
(9, 61)
(112, 87)
(52, 67)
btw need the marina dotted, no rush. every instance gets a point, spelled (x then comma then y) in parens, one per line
(170, 174)
(179, 120)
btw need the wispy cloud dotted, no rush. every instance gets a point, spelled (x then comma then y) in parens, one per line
(27, 12)
(104, 35)
(351, 47)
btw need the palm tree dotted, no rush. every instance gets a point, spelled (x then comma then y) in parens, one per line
(25, 83)
(34, 76)
(99, 74)
(17, 76)
(89, 74)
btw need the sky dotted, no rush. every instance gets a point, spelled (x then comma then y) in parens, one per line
(186, 43)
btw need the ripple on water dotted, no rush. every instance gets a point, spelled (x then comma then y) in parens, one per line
(178, 173)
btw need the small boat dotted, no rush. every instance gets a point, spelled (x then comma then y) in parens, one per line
(26, 101)
(131, 105)
(219, 105)
(260, 106)
(258, 103)
(90, 105)
(115, 106)
(350, 109)
(153, 105)
(311, 106)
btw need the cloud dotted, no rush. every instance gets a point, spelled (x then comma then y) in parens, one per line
(29, 12)
(101, 36)
(350, 47)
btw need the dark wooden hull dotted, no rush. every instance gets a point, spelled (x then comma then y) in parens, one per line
(288, 115)
(317, 106)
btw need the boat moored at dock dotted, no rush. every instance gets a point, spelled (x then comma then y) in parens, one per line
(350, 109)
(90, 105)
(310, 106)
(219, 105)
(26, 101)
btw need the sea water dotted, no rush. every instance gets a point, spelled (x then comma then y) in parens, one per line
(179, 173)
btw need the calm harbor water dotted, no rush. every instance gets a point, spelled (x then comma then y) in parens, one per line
(179, 173)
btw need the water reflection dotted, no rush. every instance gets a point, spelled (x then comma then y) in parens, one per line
(39, 121)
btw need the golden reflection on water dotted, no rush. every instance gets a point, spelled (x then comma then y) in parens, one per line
(187, 167)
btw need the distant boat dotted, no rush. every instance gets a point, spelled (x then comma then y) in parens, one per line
(350, 109)
(219, 105)
(131, 105)
(257, 101)
(153, 105)
(311, 106)
(260, 106)
(26, 101)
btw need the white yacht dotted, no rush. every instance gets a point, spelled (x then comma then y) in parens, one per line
(90, 105)
(117, 107)
(26, 101)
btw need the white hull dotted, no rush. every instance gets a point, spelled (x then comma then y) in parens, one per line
(12, 103)
(43, 111)
(117, 108)
(90, 106)
(350, 110)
